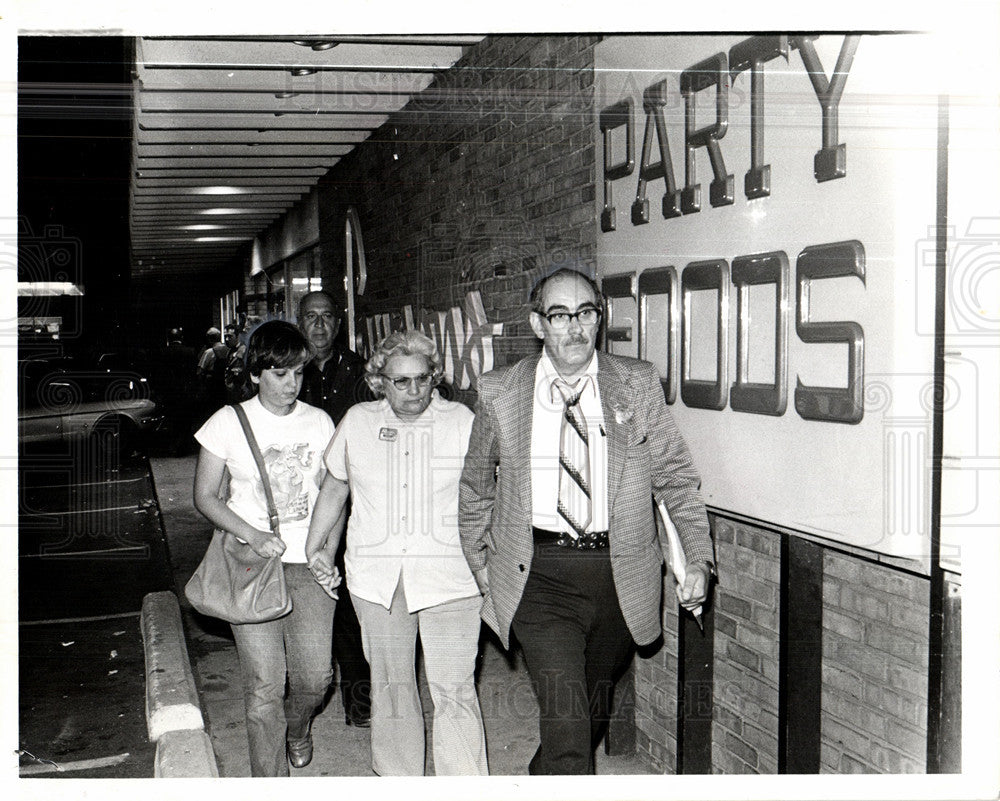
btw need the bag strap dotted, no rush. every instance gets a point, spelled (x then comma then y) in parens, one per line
(272, 512)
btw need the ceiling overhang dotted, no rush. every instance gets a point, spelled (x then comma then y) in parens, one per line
(230, 133)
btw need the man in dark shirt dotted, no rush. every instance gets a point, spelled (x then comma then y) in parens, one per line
(236, 376)
(334, 381)
(211, 373)
(175, 381)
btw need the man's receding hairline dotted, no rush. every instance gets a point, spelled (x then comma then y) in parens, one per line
(317, 295)
(577, 277)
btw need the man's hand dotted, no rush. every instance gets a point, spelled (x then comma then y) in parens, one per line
(695, 589)
(325, 572)
(482, 580)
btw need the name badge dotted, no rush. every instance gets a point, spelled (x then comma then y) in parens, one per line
(388, 434)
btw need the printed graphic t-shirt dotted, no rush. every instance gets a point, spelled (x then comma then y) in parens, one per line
(292, 446)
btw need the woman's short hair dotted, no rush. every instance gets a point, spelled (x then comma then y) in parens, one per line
(405, 343)
(276, 344)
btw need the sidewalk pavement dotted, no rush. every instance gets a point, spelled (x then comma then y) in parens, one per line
(510, 711)
(90, 547)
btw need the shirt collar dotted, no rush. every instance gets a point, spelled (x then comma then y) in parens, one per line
(546, 373)
(390, 416)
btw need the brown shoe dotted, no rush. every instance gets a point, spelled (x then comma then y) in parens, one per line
(300, 751)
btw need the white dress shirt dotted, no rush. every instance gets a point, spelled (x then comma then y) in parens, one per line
(546, 425)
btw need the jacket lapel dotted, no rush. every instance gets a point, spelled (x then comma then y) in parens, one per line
(612, 381)
(514, 406)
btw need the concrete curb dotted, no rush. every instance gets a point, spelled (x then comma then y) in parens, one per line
(185, 754)
(173, 712)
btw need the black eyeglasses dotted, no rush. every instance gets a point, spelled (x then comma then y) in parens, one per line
(588, 315)
(403, 382)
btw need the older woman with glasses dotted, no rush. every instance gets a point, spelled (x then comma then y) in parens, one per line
(400, 459)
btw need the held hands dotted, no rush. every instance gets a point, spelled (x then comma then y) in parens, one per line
(695, 588)
(325, 572)
(265, 544)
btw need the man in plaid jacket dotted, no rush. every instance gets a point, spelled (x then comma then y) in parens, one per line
(578, 582)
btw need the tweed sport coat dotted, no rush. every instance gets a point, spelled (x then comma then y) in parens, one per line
(647, 459)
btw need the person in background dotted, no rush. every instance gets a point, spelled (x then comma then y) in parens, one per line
(236, 379)
(174, 374)
(399, 459)
(292, 437)
(211, 371)
(334, 381)
(568, 452)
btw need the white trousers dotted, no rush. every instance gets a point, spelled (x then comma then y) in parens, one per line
(449, 639)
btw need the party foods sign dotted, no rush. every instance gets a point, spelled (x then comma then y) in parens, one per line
(766, 203)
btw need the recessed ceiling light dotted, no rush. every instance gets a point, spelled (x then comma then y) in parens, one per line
(221, 190)
(220, 238)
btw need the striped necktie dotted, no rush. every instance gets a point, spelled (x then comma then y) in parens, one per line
(574, 504)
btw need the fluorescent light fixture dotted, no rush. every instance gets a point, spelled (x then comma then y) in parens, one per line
(220, 211)
(200, 227)
(47, 289)
(221, 238)
(221, 190)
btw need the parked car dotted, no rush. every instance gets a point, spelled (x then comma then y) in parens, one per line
(62, 401)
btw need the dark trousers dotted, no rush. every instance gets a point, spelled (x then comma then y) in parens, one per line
(355, 677)
(576, 644)
(355, 681)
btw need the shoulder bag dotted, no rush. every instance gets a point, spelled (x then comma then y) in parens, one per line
(233, 582)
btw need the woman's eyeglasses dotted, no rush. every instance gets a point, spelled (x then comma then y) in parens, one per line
(403, 382)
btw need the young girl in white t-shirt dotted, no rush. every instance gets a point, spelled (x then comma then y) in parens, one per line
(292, 437)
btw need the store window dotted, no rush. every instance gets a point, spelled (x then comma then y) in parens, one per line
(276, 288)
(303, 275)
(228, 308)
(256, 299)
(276, 292)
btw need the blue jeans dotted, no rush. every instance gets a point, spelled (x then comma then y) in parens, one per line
(297, 645)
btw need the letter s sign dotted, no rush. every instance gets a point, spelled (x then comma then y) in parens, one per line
(831, 404)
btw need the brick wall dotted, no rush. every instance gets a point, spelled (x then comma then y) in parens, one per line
(875, 638)
(874, 664)
(655, 678)
(483, 182)
(745, 723)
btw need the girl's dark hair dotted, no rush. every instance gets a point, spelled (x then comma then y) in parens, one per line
(276, 344)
